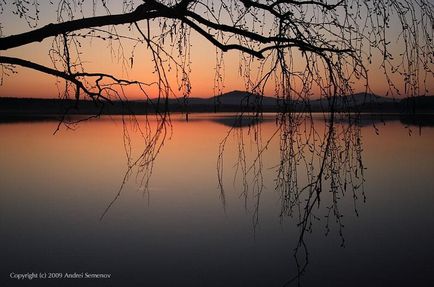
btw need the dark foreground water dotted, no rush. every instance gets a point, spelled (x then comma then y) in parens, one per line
(183, 232)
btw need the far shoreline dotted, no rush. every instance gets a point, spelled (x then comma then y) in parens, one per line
(416, 109)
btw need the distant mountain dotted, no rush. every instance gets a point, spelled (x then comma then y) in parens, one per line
(352, 101)
(243, 98)
(233, 98)
(421, 104)
(235, 101)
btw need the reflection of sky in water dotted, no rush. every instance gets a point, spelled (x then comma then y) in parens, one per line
(54, 189)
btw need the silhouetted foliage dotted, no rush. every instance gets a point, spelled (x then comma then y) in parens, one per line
(299, 48)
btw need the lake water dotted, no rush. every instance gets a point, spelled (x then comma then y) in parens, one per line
(60, 213)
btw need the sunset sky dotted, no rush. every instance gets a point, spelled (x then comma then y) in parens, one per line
(98, 56)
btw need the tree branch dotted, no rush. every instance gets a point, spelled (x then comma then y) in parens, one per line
(73, 78)
(149, 10)
(145, 11)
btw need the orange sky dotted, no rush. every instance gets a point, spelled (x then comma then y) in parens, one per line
(97, 58)
(29, 83)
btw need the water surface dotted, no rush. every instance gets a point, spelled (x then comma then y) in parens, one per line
(179, 232)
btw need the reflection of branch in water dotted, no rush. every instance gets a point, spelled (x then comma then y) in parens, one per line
(153, 136)
(319, 162)
(333, 160)
(251, 127)
(315, 157)
(338, 156)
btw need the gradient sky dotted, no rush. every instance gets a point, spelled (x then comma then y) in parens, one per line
(98, 58)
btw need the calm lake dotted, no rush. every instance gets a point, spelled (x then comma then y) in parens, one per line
(62, 210)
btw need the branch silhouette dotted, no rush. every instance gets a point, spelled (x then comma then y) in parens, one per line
(320, 163)
(297, 47)
(295, 50)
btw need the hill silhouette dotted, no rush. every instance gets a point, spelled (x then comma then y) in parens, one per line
(233, 98)
(234, 101)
